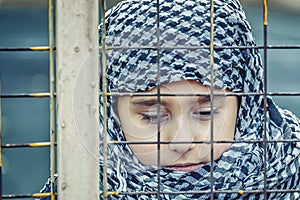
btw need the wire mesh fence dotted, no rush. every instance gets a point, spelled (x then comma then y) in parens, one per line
(264, 140)
(50, 95)
(77, 168)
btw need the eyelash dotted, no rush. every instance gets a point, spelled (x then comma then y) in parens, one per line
(153, 118)
(205, 115)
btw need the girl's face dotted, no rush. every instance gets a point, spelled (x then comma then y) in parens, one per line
(182, 119)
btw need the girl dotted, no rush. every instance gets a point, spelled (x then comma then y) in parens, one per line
(189, 166)
(178, 109)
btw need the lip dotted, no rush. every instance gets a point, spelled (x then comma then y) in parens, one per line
(185, 167)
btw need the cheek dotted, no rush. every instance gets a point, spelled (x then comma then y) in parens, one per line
(143, 148)
(223, 130)
(219, 149)
(134, 132)
(147, 154)
(224, 125)
(202, 132)
(134, 129)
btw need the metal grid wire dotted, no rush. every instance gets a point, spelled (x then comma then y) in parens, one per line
(51, 96)
(104, 94)
(265, 47)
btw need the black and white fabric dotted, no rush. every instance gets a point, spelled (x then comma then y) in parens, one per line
(132, 24)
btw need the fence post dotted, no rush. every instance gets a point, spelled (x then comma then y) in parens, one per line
(77, 99)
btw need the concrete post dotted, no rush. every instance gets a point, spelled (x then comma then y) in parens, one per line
(77, 99)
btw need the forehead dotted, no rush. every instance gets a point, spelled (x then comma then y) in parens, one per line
(188, 91)
(185, 87)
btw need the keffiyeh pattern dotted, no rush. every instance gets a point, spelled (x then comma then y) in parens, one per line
(184, 24)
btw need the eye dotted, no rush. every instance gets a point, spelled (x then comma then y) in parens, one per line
(153, 118)
(204, 114)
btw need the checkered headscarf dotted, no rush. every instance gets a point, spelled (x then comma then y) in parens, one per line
(133, 24)
(186, 23)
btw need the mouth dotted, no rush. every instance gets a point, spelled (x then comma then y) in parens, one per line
(185, 167)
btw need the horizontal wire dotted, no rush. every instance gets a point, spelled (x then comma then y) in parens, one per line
(27, 95)
(203, 142)
(46, 94)
(47, 144)
(47, 48)
(116, 193)
(215, 94)
(199, 47)
(34, 48)
(35, 195)
(241, 192)
(34, 144)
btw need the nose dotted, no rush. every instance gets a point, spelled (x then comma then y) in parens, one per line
(181, 137)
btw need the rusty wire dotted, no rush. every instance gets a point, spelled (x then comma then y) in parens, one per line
(51, 95)
(265, 90)
(104, 97)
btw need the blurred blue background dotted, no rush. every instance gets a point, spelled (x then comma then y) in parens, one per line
(26, 120)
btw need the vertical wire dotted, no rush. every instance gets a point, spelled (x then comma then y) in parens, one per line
(211, 48)
(104, 97)
(0, 145)
(52, 102)
(265, 21)
(158, 97)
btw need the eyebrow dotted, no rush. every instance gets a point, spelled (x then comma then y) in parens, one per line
(149, 102)
(154, 101)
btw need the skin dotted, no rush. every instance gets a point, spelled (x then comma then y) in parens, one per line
(181, 119)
